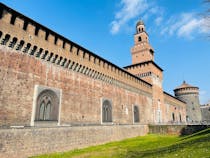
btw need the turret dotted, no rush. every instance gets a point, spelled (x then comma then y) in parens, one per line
(190, 95)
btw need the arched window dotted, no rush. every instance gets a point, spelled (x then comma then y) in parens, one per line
(47, 106)
(173, 117)
(187, 118)
(151, 51)
(0, 34)
(180, 117)
(106, 111)
(139, 38)
(136, 113)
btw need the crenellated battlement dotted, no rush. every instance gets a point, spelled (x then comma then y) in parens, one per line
(22, 34)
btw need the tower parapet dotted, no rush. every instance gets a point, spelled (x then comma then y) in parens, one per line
(186, 89)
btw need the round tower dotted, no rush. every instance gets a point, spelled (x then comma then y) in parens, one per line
(190, 95)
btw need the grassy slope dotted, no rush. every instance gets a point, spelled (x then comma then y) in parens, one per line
(163, 146)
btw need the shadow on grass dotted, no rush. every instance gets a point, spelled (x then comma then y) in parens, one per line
(190, 129)
(203, 132)
(158, 152)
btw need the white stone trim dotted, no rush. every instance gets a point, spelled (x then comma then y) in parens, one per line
(37, 90)
(133, 113)
(101, 102)
(106, 123)
(59, 111)
(34, 105)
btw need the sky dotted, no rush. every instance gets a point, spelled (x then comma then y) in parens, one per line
(177, 32)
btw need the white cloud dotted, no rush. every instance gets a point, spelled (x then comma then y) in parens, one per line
(186, 25)
(154, 12)
(188, 28)
(183, 25)
(155, 9)
(129, 10)
(205, 25)
(158, 20)
(115, 27)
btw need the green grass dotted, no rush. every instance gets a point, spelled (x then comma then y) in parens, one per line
(150, 146)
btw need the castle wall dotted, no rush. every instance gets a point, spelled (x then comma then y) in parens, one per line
(23, 143)
(81, 95)
(174, 107)
(205, 112)
(32, 55)
(35, 59)
(21, 33)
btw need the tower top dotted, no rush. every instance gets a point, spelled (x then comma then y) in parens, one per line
(142, 51)
(185, 85)
(186, 88)
(140, 22)
(140, 27)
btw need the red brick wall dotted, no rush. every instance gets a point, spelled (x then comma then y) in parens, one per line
(83, 77)
(81, 95)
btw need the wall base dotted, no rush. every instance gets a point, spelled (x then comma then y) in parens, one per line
(27, 142)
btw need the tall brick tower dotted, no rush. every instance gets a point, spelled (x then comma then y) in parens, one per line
(190, 95)
(144, 67)
(142, 50)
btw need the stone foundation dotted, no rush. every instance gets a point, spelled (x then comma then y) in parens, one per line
(21, 143)
(176, 129)
(166, 129)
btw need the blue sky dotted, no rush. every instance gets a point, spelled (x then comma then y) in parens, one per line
(176, 29)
